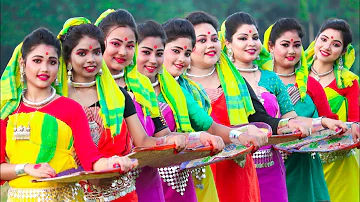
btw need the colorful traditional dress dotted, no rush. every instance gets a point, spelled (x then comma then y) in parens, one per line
(236, 180)
(188, 116)
(57, 131)
(109, 146)
(148, 183)
(269, 164)
(304, 177)
(343, 96)
(202, 177)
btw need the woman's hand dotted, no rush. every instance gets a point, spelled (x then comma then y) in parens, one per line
(296, 125)
(252, 135)
(178, 140)
(334, 124)
(124, 162)
(217, 142)
(41, 170)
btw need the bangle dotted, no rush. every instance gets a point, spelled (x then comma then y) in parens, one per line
(283, 126)
(161, 140)
(316, 123)
(194, 136)
(349, 124)
(19, 169)
(234, 135)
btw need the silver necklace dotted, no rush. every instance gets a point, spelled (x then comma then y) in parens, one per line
(201, 76)
(41, 103)
(82, 85)
(155, 83)
(118, 76)
(285, 75)
(320, 75)
(176, 78)
(254, 69)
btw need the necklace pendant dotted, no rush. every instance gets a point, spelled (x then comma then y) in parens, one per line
(94, 131)
(317, 78)
(21, 133)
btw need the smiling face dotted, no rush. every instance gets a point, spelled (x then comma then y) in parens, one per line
(41, 66)
(207, 48)
(150, 57)
(177, 56)
(329, 45)
(245, 44)
(86, 58)
(286, 50)
(120, 48)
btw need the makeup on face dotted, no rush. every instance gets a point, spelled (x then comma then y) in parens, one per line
(177, 56)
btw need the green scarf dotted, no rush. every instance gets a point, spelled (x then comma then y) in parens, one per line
(238, 100)
(111, 99)
(175, 98)
(301, 70)
(197, 92)
(137, 83)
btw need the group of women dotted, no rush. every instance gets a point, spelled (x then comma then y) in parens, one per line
(77, 102)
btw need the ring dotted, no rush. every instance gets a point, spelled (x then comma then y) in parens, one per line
(309, 130)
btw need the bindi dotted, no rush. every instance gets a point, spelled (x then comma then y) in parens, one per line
(155, 47)
(47, 53)
(291, 40)
(90, 47)
(208, 32)
(250, 31)
(125, 39)
(185, 47)
(332, 37)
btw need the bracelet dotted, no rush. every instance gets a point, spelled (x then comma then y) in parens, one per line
(19, 169)
(234, 135)
(283, 126)
(316, 123)
(161, 140)
(194, 136)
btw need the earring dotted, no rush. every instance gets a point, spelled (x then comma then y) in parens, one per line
(69, 68)
(230, 54)
(132, 62)
(22, 74)
(189, 67)
(218, 62)
(100, 72)
(314, 57)
(258, 57)
(341, 64)
(56, 82)
(272, 59)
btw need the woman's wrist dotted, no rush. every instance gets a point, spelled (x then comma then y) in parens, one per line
(194, 136)
(20, 169)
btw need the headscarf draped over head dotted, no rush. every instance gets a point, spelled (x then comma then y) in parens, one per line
(237, 96)
(264, 61)
(111, 99)
(301, 70)
(139, 84)
(176, 99)
(344, 77)
(11, 87)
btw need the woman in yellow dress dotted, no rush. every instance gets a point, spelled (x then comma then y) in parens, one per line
(42, 131)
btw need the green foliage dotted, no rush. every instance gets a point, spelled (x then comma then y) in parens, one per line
(19, 18)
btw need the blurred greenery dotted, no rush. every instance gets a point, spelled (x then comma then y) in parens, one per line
(19, 18)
